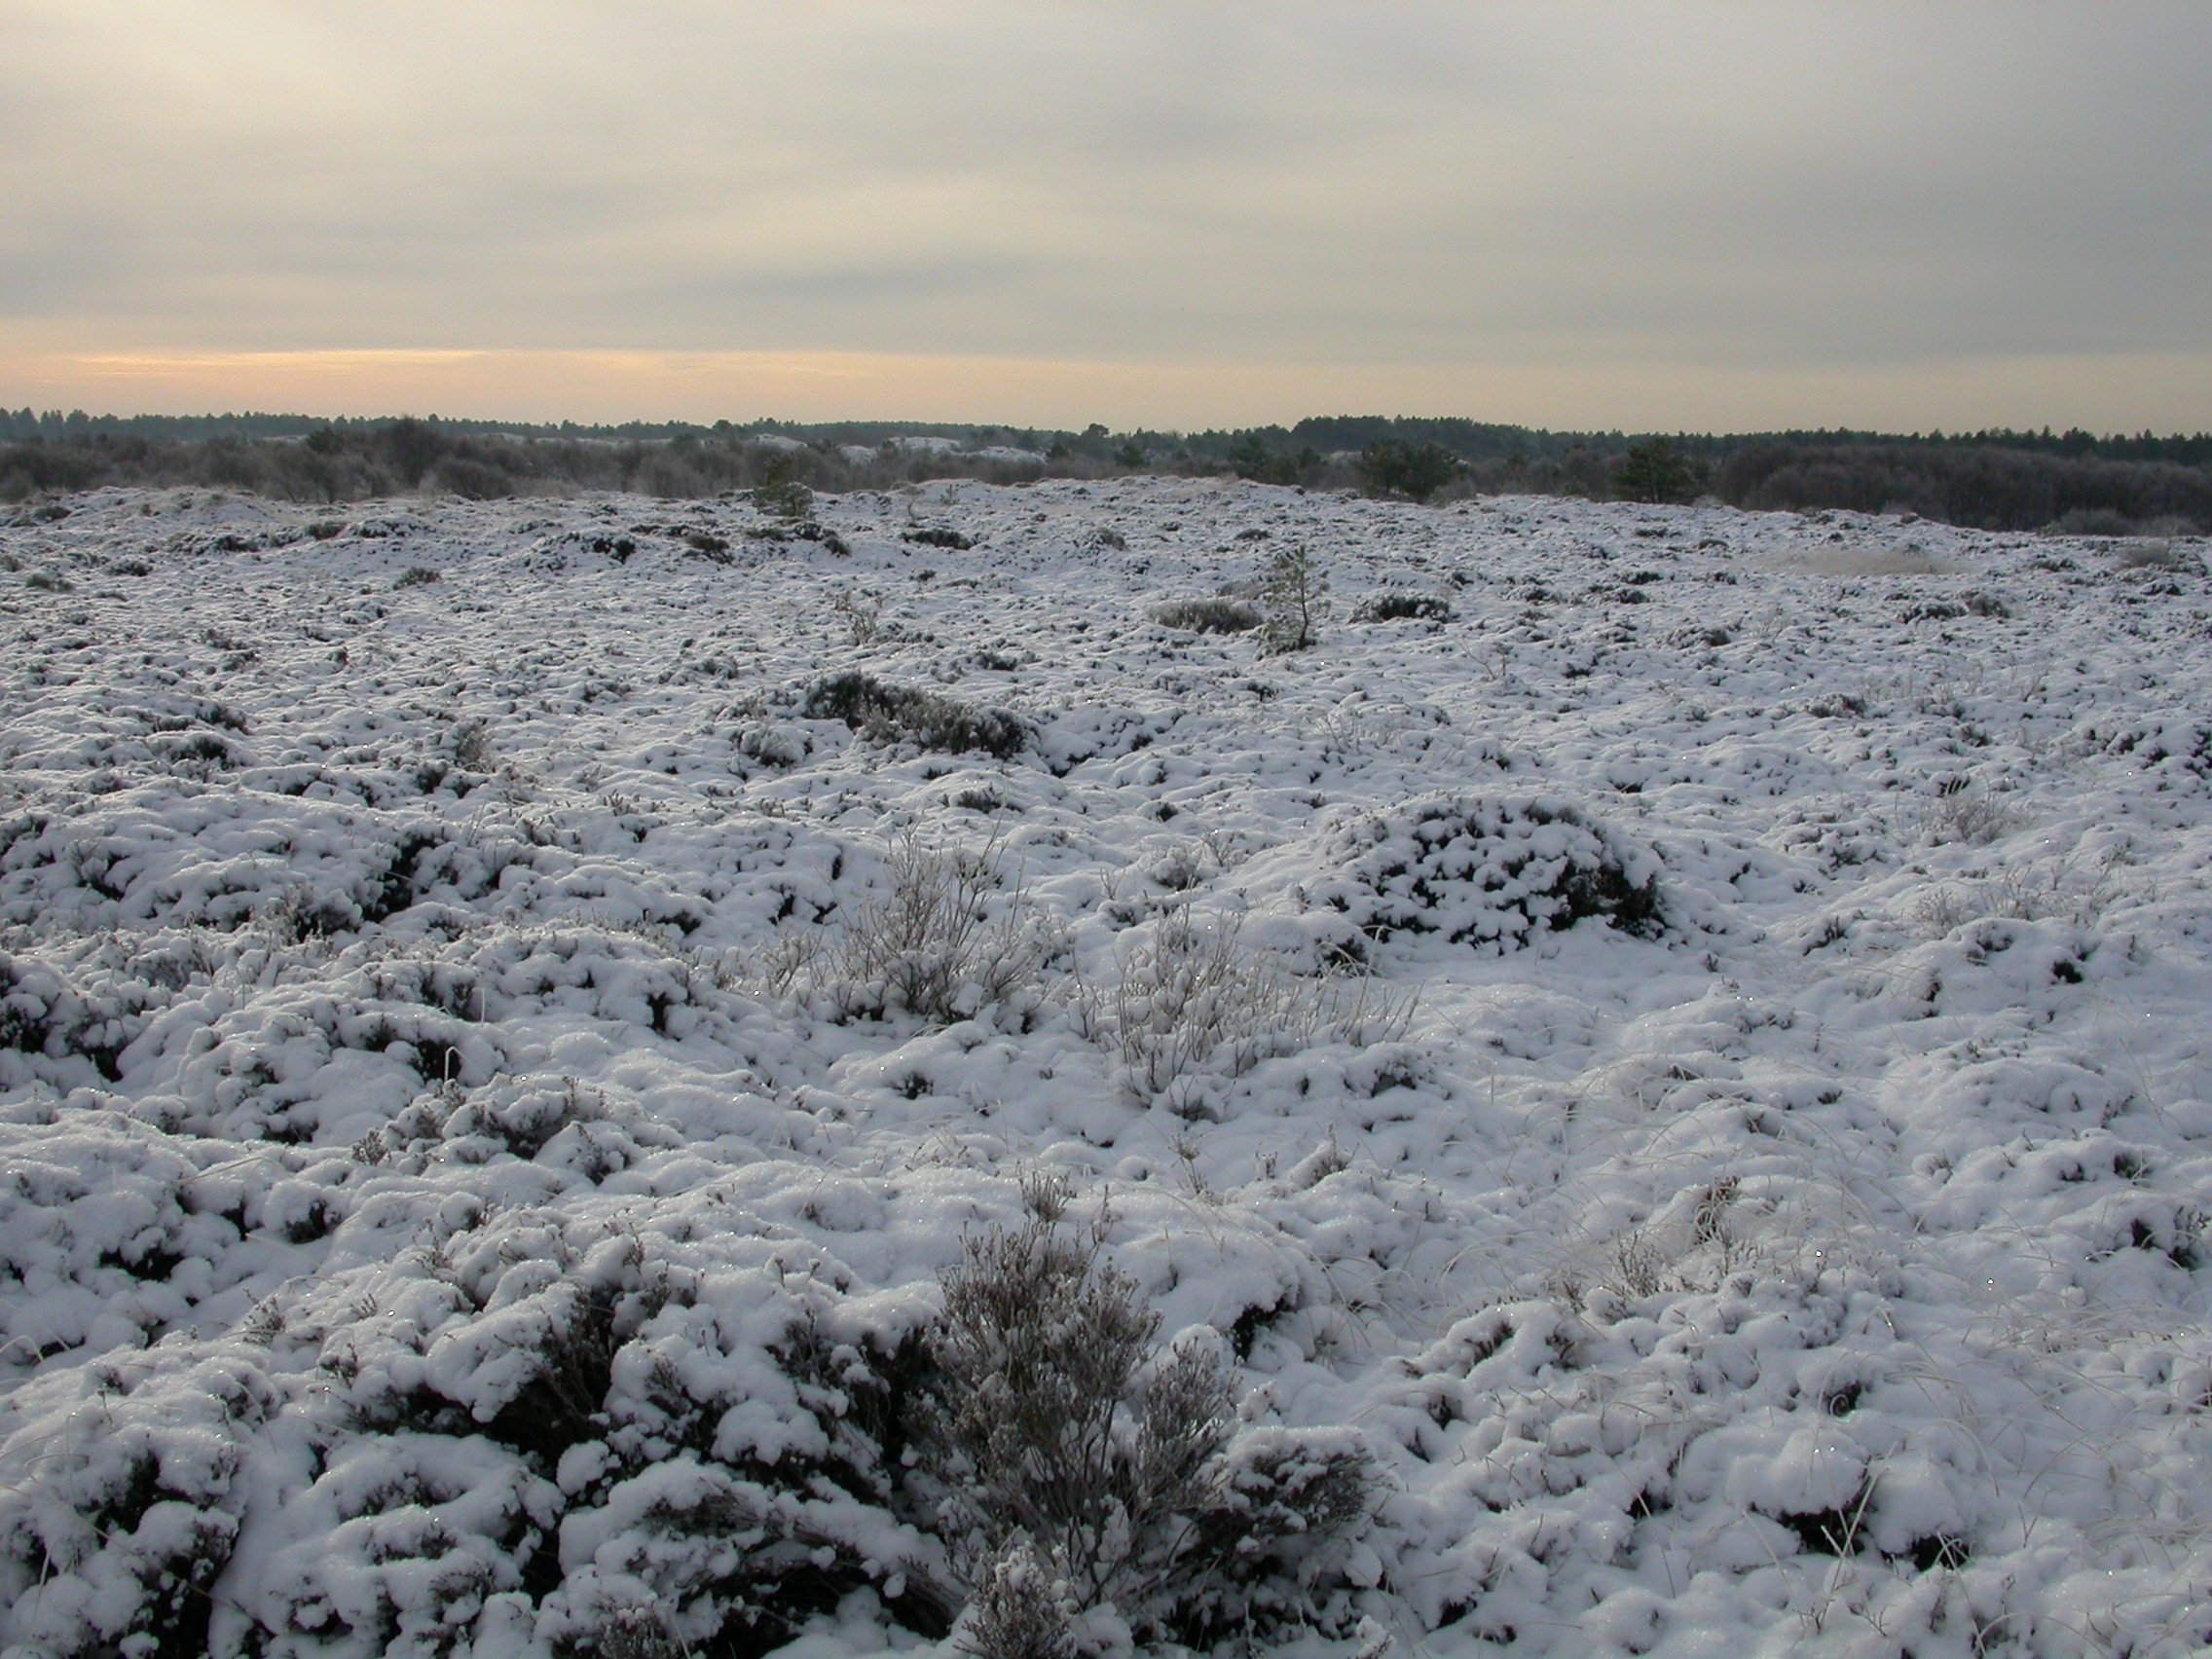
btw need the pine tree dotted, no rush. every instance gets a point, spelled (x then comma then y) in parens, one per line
(1296, 598)
(1654, 471)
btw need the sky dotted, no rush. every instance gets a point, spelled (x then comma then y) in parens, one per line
(1644, 214)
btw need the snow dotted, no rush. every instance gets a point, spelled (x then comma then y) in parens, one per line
(1793, 1240)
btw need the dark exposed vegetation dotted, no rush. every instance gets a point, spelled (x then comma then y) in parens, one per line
(1392, 467)
(1401, 606)
(1987, 486)
(2074, 482)
(1655, 471)
(1066, 1437)
(936, 536)
(782, 493)
(1251, 456)
(895, 714)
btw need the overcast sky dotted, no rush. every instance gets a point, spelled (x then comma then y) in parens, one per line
(1927, 212)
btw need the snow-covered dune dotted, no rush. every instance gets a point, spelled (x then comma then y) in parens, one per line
(1709, 1081)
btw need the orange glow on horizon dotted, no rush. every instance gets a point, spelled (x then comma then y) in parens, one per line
(2106, 394)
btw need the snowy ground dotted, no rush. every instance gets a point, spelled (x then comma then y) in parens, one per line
(398, 970)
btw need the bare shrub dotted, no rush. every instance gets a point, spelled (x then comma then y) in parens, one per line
(2031, 893)
(472, 746)
(1206, 616)
(2149, 554)
(929, 944)
(864, 613)
(1083, 1466)
(416, 575)
(1961, 813)
(1193, 997)
(782, 969)
(2092, 521)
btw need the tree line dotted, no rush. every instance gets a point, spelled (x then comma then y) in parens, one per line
(1996, 479)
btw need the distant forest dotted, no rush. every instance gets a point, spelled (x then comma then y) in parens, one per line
(2074, 481)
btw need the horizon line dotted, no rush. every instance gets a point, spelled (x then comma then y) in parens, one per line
(2118, 393)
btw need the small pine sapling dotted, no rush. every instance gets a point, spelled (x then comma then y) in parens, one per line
(782, 493)
(1295, 595)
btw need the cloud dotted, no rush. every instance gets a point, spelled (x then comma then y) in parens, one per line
(1824, 190)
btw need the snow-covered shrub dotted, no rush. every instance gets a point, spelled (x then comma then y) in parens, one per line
(69, 1016)
(904, 713)
(1021, 1609)
(1962, 812)
(568, 1425)
(634, 1633)
(1206, 616)
(396, 1547)
(470, 745)
(1193, 997)
(1063, 1427)
(1486, 871)
(930, 945)
(1399, 607)
(113, 1528)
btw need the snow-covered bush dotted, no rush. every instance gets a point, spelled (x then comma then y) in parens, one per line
(1486, 871)
(113, 1526)
(929, 944)
(1063, 1430)
(1020, 1611)
(1206, 616)
(904, 713)
(1961, 813)
(1193, 997)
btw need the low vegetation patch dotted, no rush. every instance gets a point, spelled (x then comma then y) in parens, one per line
(1207, 617)
(1084, 1468)
(1402, 607)
(939, 536)
(904, 713)
(941, 939)
(1486, 872)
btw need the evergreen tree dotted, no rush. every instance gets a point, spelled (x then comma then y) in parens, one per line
(1654, 471)
(1414, 470)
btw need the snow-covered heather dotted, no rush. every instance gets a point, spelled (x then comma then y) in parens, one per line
(432, 1166)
